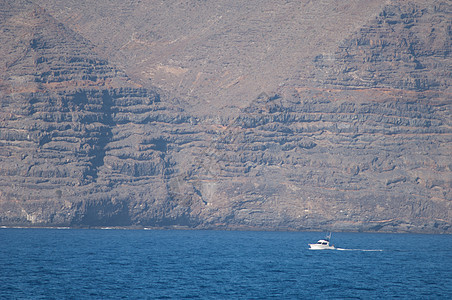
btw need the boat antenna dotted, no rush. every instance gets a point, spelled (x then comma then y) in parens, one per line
(328, 236)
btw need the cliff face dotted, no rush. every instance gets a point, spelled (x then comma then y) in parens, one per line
(356, 135)
(57, 106)
(407, 46)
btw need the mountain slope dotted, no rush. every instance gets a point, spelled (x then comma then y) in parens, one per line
(56, 117)
(215, 54)
(265, 118)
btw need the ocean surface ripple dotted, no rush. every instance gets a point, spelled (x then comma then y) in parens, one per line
(176, 264)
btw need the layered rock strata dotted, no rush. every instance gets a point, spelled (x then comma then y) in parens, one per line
(360, 141)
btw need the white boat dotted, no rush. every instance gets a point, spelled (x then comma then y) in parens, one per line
(323, 244)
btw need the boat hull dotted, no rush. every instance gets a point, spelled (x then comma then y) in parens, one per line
(320, 247)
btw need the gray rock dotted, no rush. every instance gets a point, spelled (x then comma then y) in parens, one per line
(363, 144)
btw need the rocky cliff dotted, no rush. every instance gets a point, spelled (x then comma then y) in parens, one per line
(295, 124)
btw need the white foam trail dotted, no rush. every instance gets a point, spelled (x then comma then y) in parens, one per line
(367, 250)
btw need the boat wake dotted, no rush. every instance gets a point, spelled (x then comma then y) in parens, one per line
(364, 250)
(324, 244)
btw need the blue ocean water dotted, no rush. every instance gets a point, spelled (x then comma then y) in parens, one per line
(175, 264)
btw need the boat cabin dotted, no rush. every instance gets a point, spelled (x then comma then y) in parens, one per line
(323, 242)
